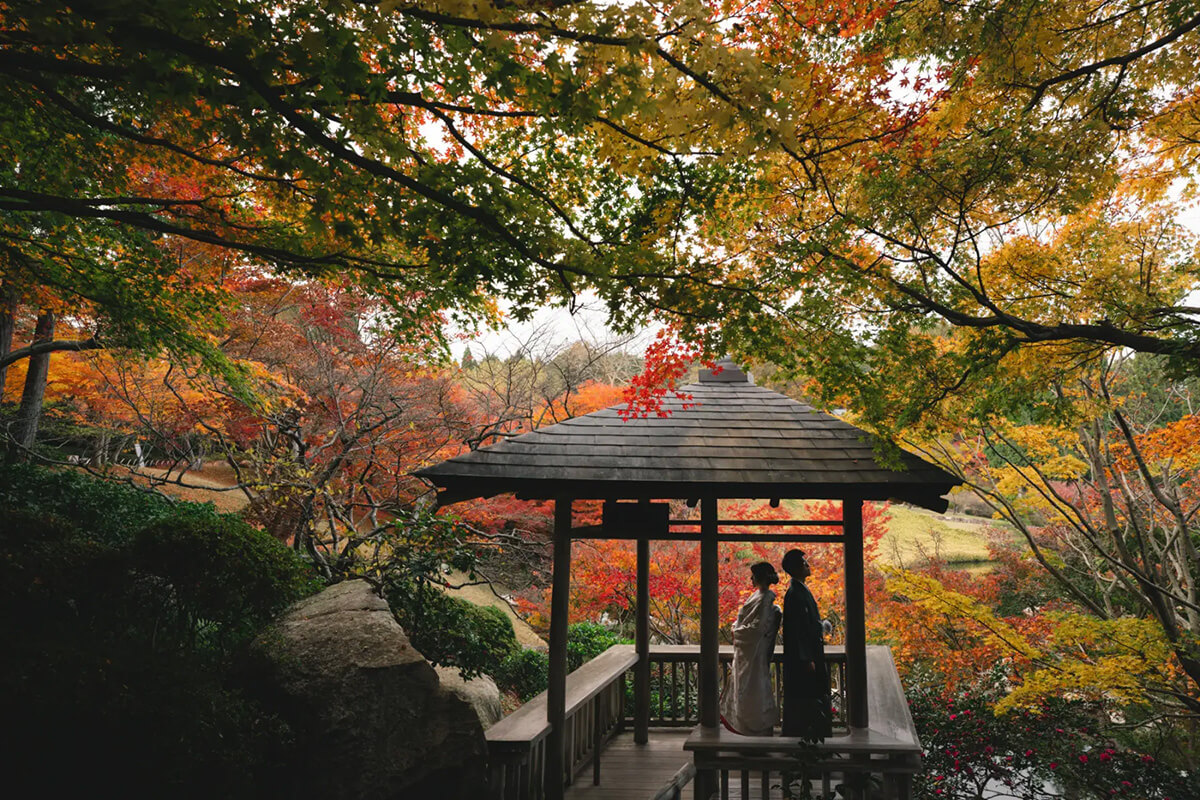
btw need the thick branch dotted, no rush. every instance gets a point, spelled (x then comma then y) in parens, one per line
(1116, 61)
(52, 346)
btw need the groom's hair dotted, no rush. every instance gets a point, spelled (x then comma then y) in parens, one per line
(791, 561)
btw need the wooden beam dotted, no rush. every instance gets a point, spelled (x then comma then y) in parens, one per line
(641, 676)
(749, 523)
(556, 691)
(710, 664)
(856, 620)
(643, 516)
(596, 532)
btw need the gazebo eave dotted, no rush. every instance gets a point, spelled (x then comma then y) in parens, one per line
(458, 489)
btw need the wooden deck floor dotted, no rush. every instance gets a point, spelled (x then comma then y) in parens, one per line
(637, 772)
(631, 771)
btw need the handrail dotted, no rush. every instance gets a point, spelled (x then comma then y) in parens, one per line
(528, 722)
(594, 711)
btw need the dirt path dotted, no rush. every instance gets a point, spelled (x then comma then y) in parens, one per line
(197, 486)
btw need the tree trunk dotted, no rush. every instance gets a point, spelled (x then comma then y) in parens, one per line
(8, 321)
(26, 426)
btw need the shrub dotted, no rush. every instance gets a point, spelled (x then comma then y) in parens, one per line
(448, 630)
(221, 579)
(586, 640)
(1029, 753)
(421, 550)
(524, 672)
(105, 512)
(125, 617)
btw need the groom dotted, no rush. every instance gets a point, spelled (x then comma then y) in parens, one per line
(806, 702)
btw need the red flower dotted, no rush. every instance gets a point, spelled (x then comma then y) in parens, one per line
(1083, 759)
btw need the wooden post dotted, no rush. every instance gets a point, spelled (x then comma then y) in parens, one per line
(710, 659)
(556, 692)
(641, 679)
(856, 619)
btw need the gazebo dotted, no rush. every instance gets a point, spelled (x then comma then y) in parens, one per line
(731, 440)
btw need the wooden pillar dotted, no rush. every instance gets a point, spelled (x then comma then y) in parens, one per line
(710, 664)
(641, 678)
(556, 692)
(856, 619)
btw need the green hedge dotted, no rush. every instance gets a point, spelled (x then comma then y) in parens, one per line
(526, 672)
(448, 630)
(125, 616)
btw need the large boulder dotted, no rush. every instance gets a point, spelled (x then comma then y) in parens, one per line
(480, 693)
(371, 717)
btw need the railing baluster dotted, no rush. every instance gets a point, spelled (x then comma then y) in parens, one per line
(597, 734)
(674, 692)
(660, 692)
(745, 784)
(687, 691)
(537, 783)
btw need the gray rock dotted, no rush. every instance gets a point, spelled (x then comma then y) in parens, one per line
(480, 693)
(370, 715)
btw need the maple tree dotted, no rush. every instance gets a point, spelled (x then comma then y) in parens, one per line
(1098, 473)
(1008, 698)
(344, 411)
(435, 156)
(765, 177)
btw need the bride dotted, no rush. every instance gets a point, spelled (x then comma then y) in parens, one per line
(748, 703)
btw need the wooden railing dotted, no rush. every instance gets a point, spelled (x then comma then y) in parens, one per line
(599, 703)
(674, 699)
(595, 710)
(874, 762)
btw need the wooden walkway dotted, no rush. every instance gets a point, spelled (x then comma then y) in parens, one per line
(631, 771)
(639, 772)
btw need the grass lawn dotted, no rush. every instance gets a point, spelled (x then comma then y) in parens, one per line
(914, 534)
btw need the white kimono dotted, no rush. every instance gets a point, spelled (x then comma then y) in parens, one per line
(748, 702)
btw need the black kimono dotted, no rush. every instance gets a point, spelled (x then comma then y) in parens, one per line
(806, 701)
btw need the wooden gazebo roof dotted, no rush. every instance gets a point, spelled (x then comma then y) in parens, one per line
(732, 439)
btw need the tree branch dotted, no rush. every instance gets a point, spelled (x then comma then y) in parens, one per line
(52, 346)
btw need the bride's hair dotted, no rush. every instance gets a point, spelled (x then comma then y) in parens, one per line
(763, 571)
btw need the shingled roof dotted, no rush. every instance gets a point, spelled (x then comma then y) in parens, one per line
(733, 440)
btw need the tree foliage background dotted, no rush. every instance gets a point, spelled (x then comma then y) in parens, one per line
(959, 221)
